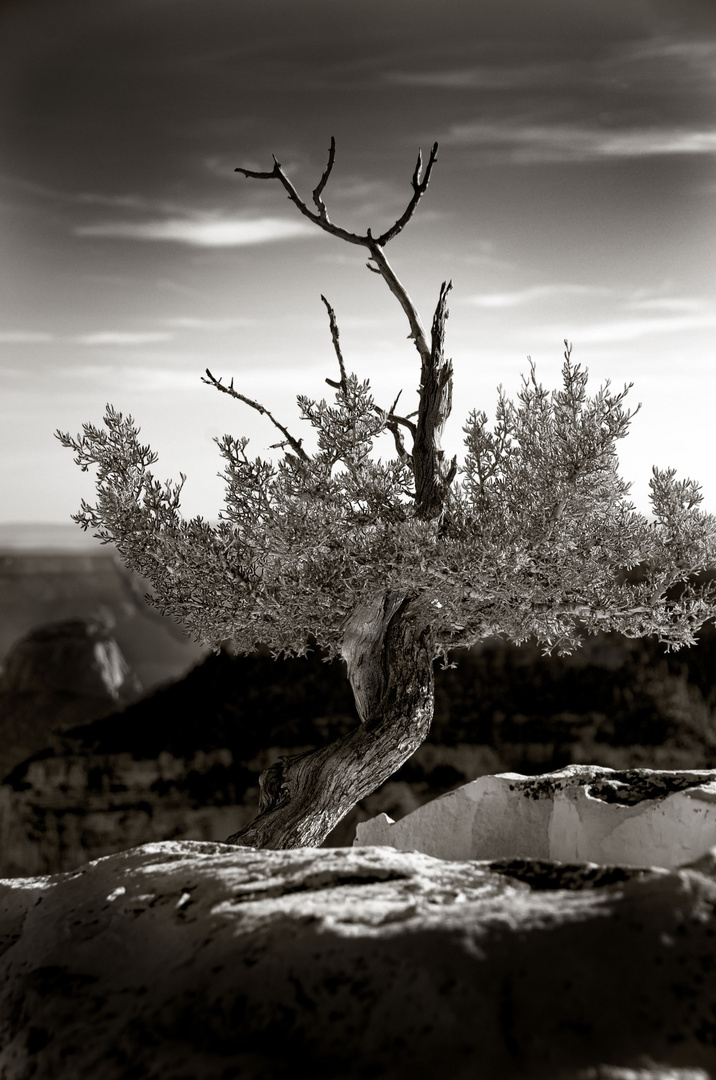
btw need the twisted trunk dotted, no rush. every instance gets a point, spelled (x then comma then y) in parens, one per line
(389, 656)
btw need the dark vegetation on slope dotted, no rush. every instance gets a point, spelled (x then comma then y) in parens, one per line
(626, 692)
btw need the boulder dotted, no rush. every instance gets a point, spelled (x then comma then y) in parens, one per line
(637, 817)
(186, 960)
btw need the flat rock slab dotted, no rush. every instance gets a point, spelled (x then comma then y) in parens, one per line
(201, 961)
(639, 817)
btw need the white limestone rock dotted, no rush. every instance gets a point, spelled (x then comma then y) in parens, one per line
(639, 817)
(200, 961)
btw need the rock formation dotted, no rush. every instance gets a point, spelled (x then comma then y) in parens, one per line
(197, 960)
(78, 657)
(642, 817)
(40, 587)
(57, 676)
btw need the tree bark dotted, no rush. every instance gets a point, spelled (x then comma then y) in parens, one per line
(433, 475)
(389, 655)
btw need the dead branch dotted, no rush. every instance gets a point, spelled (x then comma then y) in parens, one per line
(433, 475)
(383, 267)
(343, 384)
(374, 244)
(392, 420)
(320, 217)
(419, 189)
(318, 190)
(295, 444)
(395, 431)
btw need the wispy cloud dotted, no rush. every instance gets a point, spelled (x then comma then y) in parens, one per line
(528, 143)
(189, 322)
(536, 292)
(621, 330)
(669, 303)
(24, 337)
(690, 54)
(633, 64)
(201, 232)
(122, 338)
(493, 76)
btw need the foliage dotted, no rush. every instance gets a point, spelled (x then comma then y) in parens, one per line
(537, 535)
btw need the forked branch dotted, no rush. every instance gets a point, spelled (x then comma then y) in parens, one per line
(320, 216)
(295, 444)
(374, 244)
(420, 186)
(433, 475)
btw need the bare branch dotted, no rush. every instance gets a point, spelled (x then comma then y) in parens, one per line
(295, 444)
(374, 244)
(392, 426)
(343, 384)
(321, 206)
(275, 172)
(419, 189)
(417, 332)
(321, 218)
(437, 330)
(404, 421)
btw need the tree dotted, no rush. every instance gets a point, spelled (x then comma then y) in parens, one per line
(391, 564)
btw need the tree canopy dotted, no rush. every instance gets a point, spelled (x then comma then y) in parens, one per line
(531, 535)
(536, 536)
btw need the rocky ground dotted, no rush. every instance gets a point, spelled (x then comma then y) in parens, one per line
(198, 961)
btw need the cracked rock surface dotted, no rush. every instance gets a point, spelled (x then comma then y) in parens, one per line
(200, 961)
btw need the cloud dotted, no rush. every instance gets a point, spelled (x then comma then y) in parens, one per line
(629, 64)
(24, 337)
(691, 54)
(669, 303)
(633, 329)
(536, 292)
(209, 232)
(122, 338)
(527, 143)
(491, 76)
(189, 322)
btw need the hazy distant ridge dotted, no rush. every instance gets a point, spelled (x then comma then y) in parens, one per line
(46, 536)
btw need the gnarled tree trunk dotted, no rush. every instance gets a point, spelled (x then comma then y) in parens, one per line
(389, 655)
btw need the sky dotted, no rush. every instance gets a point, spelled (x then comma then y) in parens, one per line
(574, 196)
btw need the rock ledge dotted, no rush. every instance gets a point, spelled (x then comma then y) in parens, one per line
(200, 961)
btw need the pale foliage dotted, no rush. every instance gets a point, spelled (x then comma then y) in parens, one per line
(537, 537)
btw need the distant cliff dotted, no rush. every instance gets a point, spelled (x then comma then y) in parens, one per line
(55, 677)
(38, 587)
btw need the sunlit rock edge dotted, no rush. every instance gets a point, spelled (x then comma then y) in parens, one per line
(188, 959)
